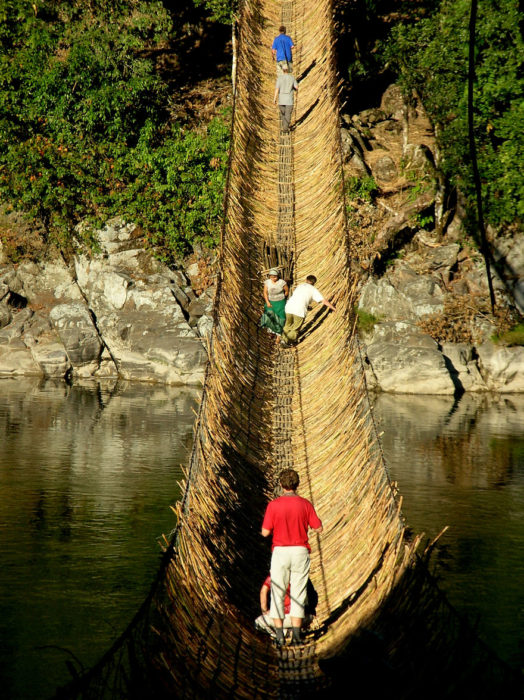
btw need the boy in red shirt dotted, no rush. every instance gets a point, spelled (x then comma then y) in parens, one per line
(289, 518)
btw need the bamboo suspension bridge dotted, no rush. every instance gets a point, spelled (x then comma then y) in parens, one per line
(265, 409)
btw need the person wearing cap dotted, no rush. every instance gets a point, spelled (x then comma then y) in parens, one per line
(297, 306)
(282, 50)
(286, 84)
(275, 294)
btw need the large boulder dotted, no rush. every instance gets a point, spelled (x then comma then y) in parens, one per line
(404, 297)
(80, 338)
(393, 102)
(16, 360)
(13, 331)
(406, 361)
(384, 169)
(502, 368)
(52, 359)
(44, 283)
(142, 324)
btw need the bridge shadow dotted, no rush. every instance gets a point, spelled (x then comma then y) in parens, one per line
(416, 645)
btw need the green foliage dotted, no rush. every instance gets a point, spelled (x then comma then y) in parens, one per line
(220, 10)
(363, 188)
(365, 321)
(84, 124)
(431, 55)
(515, 336)
(175, 189)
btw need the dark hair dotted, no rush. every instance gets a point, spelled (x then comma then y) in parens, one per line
(282, 29)
(289, 479)
(311, 279)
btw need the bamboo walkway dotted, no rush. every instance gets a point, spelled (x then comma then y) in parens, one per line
(264, 409)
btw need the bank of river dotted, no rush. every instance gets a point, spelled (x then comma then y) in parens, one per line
(87, 475)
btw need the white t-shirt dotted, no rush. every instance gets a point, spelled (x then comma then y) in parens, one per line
(298, 302)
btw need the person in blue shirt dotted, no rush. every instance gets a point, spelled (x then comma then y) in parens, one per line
(281, 50)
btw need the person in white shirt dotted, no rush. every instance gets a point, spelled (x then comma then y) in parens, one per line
(297, 306)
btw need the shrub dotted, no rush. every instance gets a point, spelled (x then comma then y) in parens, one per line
(365, 320)
(514, 336)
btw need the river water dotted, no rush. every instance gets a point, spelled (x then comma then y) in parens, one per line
(87, 475)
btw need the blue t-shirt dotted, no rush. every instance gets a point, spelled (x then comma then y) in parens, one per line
(283, 44)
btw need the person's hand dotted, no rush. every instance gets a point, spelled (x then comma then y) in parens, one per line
(269, 305)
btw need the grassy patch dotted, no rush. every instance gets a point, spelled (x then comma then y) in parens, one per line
(366, 321)
(515, 336)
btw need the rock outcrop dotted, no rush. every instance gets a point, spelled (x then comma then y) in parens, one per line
(119, 313)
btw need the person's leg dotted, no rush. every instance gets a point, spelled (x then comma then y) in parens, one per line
(287, 327)
(294, 327)
(282, 109)
(286, 117)
(299, 575)
(280, 569)
(279, 67)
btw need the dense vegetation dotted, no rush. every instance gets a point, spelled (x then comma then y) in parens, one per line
(88, 127)
(86, 122)
(424, 44)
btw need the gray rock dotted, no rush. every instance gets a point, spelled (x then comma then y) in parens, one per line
(205, 326)
(9, 277)
(117, 236)
(372, 116)
(82, 343)
(406, 361)
(384, 169)
(417, 159)
(410, 298)
(5, 315)
(502, 368)
(392, 102)
(41, 282)
(52, 359)
(142, 325)
(17, 360)
(13, 331)
(4, 291)
(359, 166)
(463, 366)
(509, 254)
(424, 295)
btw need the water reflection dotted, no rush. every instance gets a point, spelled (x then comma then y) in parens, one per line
(87, 475)
(462, 464)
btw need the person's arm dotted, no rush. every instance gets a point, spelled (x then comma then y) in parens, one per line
(274, 52)
(266, 297)
(276, 94)
(265, 533)
(318, 530)
(264, 593)
(286, 291)
(328, 304)
(295, 85)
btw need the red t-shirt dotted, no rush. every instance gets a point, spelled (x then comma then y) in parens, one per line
(289, 517)
(287, 599)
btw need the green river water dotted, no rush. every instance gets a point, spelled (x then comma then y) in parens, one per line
(88, 472)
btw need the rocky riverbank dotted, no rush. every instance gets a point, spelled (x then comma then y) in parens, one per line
(119, 313)
(422, 285)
